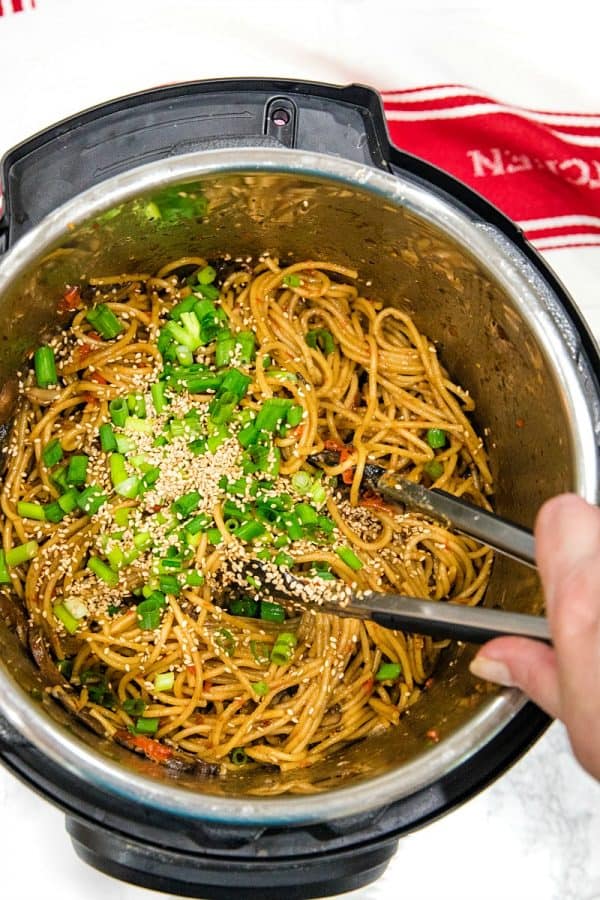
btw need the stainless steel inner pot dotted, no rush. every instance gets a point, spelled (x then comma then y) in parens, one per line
(502, 333)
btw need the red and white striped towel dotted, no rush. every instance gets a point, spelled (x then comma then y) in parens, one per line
(541, 168)
(15, 6)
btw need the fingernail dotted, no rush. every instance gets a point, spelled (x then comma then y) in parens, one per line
(491, 670)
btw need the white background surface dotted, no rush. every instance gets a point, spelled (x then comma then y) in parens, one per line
(535, 834)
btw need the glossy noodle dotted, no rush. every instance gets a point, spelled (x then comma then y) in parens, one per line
(119, 518)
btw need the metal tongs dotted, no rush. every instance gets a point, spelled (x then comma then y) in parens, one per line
(439, 619)
(413, 614)
(500, 534)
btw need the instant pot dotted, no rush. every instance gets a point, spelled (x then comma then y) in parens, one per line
(302, 171)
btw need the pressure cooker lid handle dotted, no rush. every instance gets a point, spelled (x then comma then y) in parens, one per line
(57, 164)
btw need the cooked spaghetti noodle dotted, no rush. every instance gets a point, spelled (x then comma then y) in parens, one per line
(168, 431)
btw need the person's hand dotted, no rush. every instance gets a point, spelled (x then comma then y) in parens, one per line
(564, 681)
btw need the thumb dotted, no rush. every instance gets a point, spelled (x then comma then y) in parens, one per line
(519, 662)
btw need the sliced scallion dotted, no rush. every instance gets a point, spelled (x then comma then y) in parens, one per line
(63, 615)
(348, 556)
(21, 553)
(103, 571)
(388, 671)
(164, 681)
(31, 510)
(45, 367)
(52, 453)
(271, 612)
(77, 469)
(104, 321)
(146, 726)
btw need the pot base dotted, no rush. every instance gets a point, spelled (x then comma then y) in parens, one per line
(211, 878)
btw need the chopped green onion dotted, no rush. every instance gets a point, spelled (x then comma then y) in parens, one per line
(77, 469)
(247, 345)
(104, 321)
(317, 493)
(295, 415)
(388, 672)
(294, 529)
(52, 453)
(121, 516)
(136, 404)
(214, 536)
(63, 615)
(149, 611)
(151, 476)
(4, 573)
(225, 640)
(45, 367)
(301, 482)
(209, 291)
(236, 383)
(68, 500)
(348, 556)
(118, 473)
(320, 339)
(104, 572)
(434, 469)
(185, 305)
(21, 553)
(224, 348)
(118, 411)
(142, 540)
(248, 435)
(186, 504)
(248, 531)
(307, 514)
(243, 606)
(291, 280)
(284, 559)
(287, 638)
(164, 682)
(222, 407)
(238, 756)
(59, 477)
(188, 333)
(91, 499)
(169, 584)
(129, 488)
(184, 355)
(124, 444)
(157, 391)
(271, 612)
(146, 726)
(108, 440)
(260, 651)
(77, 608)
(141, 426)
(116, 558)
(261, 688)
(194, 578)
(53, 512)
(283, 648)
(133, 706)
(31, 511)
(436, 438)
(206, 275)
(326, 524)
(273, 411)
(198, 523)
(65, 667)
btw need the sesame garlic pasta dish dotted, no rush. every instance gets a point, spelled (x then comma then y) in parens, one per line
(170, 428)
